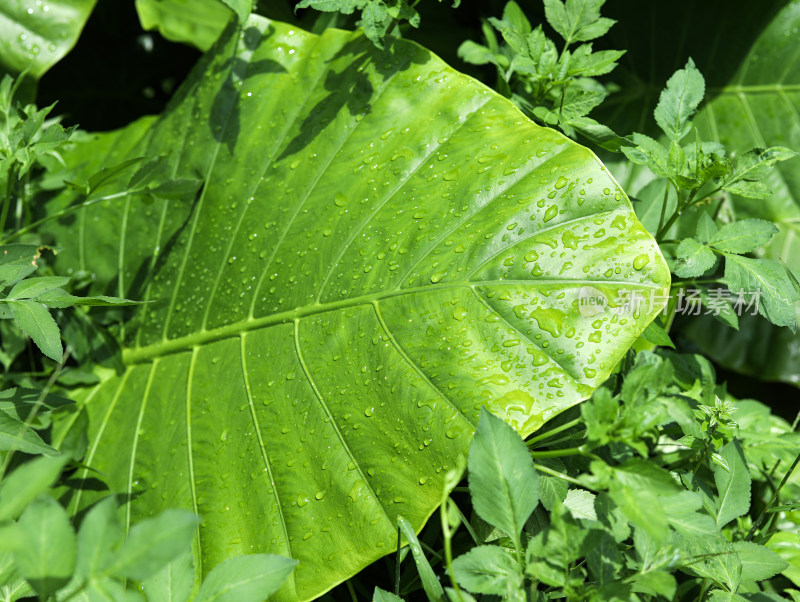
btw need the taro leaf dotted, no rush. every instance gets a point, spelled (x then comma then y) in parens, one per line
(35, 35)
(355, 281)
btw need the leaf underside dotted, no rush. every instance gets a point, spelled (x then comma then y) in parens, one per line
(382, 246)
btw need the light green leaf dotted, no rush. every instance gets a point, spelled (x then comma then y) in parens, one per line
(679, 100)
(35, 35)
(758, 562)
(372, 299)
(503, 483)
(430, 583)
(768, 284)
(23, 485)
(100, 533)
(34, 319)
(733, 484)
(706, 228)
(488, 570)
(743, 236)
(47, 557)
(580, 504)
(174, 582)
(381, 595)
(153, 543)
(693, 259)
(245, 578)
(15, 434)
(30, 288)
(193, 22)
(657, 335)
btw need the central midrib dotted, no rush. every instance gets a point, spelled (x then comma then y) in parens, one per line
(147, 353)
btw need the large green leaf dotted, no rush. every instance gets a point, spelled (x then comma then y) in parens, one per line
(35, 34)
(382, 246)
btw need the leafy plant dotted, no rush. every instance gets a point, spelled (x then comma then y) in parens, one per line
(345, 305)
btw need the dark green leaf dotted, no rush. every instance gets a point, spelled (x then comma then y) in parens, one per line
(768, 286)
(488, 570)
(679, 100)
(16, 435)
(34, 319)
(733, 484)
(693, 259)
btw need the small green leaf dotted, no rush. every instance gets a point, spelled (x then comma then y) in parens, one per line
(174, 582)
(693, 259)
(34, 319)
(502, 480)
(733, 485)
(47, 558)
(758, 562)
(655, 334)
(30, 288)
(246, 578)
(488, 570)
(748, 189)
(152, 544)
(706, 228)
(23, 485)
(655, 583)
(99, 534)
(16, 435)
(580, 504)
(381, 595)
(768, 287)
(743, 236)
(430, 583)
(679, 100)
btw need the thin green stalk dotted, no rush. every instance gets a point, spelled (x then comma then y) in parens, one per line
(554, 431)
(12, 176)
(558, 453)
(663, 208)
(559, 475)
(757, 523)
(448, 548)
(397, 565)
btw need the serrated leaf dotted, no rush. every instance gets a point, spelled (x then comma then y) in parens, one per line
(580, 504)
(679, 101)
(758, 562)
(733, 484)
(30, 288)
(16, 435)
(693, 259)
(768, 285)
(488, 570)
(35, 321)
(17, 262)
(503, 483)
(245, 578)
(743, 236)
(227, 361)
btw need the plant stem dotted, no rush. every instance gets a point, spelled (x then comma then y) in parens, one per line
(448, 548)
(757, 523)
(12, 175)
(559, 475)
(558, 453)
(554, 431)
